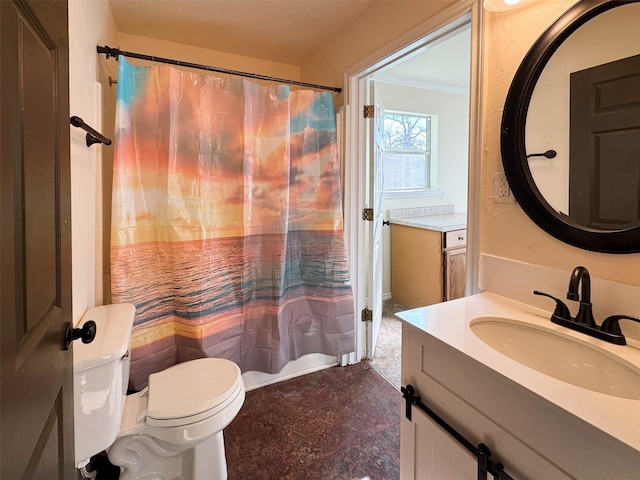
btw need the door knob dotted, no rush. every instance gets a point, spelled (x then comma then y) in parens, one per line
(87, 333)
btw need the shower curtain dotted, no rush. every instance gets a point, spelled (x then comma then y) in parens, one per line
(227, 221)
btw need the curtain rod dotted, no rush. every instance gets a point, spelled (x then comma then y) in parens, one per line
(114, 52)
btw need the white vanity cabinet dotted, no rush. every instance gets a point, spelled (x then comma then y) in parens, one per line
(531, 436)
(432, 453)
(465, 398)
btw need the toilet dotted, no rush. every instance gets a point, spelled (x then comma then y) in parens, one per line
(173, 429)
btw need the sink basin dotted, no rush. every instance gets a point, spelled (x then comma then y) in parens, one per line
(562, 357)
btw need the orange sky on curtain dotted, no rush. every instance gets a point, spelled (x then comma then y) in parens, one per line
(208, 132)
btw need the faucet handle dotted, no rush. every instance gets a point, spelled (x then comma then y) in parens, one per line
(561, 311)
(612, 324)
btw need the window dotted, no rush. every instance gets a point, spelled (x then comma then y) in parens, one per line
(408, 149)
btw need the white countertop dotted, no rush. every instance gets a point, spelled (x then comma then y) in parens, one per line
(444, 222)
(449, 323)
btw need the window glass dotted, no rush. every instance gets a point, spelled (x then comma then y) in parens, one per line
(407, 151)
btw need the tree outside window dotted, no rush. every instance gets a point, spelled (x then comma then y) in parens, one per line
(407, 151)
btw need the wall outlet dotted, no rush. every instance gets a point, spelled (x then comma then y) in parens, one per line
(501, 191)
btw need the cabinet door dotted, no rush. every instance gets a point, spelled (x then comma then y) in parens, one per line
(455, 273)
(431, 453)
(416, 266)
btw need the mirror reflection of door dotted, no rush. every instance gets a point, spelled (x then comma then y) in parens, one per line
(604, 166)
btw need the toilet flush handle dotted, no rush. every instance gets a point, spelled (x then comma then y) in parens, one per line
(87, 333)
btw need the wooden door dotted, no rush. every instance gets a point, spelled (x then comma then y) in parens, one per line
(604, 166)
(36, 390)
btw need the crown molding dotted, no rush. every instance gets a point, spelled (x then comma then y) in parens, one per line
(424, 84)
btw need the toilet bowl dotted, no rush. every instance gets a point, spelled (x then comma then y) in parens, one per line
(173, 429)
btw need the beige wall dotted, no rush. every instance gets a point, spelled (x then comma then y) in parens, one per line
(188, 53)
(505, 230)
(90, 24)
(381, 24)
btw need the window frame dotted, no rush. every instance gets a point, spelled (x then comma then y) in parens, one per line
(430, 159)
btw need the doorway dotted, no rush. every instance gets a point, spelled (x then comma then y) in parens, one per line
(360, 175)
(425, 167)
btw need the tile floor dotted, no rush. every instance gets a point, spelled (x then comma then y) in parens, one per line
(340, 423)
(386, 359)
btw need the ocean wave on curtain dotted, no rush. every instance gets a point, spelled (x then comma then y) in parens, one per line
(227, 221)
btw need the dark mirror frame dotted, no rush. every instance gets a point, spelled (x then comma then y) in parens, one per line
(512, 141)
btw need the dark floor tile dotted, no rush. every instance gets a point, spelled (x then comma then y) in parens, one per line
(373, 400)
(297, 388)
(366, 460)
(389, 441)
(318, 427)
(257, 446)
(257, 399)
(344, 379)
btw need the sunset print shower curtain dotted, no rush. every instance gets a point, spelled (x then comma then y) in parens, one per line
(227, 221)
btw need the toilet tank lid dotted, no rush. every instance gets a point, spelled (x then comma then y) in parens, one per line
(113, 336)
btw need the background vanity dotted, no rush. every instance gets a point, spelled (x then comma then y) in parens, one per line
(428, 255)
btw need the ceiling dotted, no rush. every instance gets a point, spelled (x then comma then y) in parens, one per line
(286, 31)
(445, 63)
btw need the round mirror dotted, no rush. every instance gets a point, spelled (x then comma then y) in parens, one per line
(571, 128)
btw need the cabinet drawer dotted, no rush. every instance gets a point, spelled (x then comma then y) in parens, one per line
(455, 238)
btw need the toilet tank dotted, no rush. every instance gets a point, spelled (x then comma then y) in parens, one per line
(100, 379)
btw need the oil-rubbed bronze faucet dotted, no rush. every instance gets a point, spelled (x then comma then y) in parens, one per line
(580, 276)
(584, 321)
(561, 311)
(611, 324)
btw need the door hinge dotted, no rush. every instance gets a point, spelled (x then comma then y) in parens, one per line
(366, 315)
(369, 111)
(367, 214)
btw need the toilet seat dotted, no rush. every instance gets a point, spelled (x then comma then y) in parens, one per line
(191, 391)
